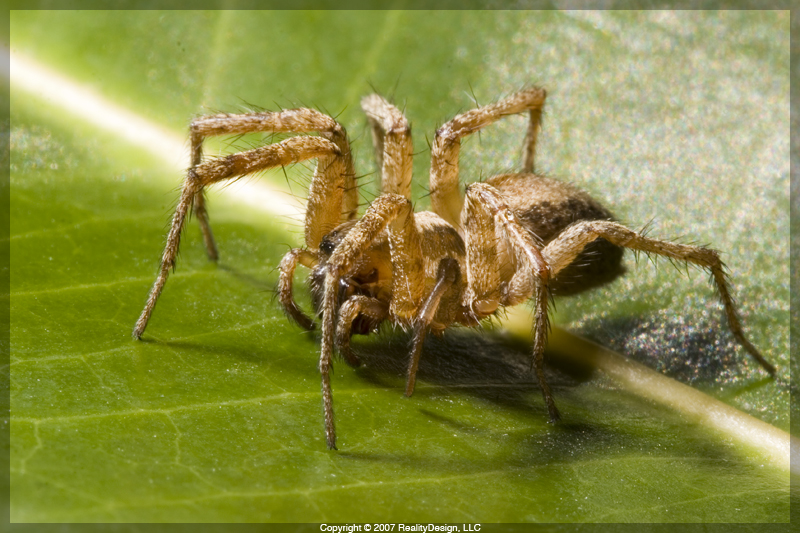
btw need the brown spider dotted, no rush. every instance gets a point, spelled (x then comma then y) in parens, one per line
(509, 239)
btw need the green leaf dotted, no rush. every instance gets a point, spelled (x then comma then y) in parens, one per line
(680, 118)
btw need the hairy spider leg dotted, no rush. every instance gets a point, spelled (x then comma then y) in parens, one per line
(333, 195)
(199, 202)
(448, 274)
(486, 213)
(531, 136)
(289, 151)
(391, 137)
(325, 195)
(332, 202)
(390, 212)
(446, 198)
(563, 249)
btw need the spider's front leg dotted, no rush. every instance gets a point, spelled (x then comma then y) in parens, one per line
(561, 251)
(392, 212)
(487, 220)
(287, 152)
(300, 120)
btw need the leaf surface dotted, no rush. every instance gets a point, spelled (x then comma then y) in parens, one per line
(216, 415)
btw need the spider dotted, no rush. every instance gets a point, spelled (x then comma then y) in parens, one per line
(512, 238)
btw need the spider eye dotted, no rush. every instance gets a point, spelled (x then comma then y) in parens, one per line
(327, 246)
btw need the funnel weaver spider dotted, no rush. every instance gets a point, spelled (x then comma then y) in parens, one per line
(507, 240)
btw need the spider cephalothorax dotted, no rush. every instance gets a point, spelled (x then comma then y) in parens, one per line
(510, 239)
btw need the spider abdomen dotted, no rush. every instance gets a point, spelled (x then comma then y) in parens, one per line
(546, 207)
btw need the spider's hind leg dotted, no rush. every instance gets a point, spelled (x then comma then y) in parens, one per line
(562, 251)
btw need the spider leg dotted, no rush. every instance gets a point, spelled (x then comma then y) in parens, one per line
(391, 137)
(531, 136)
(199, 208)
(448, 274)
(292, 150)
(390, 212)
(446, 199)
(372, 308)
(199, 202)
(286, 282)
(341, 202)
(487, 220)
(562, 251)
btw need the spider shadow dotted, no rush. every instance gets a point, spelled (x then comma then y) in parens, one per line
(495, 368)
(256, 283)
(490, 366)
(218, 349)
(696, 348)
